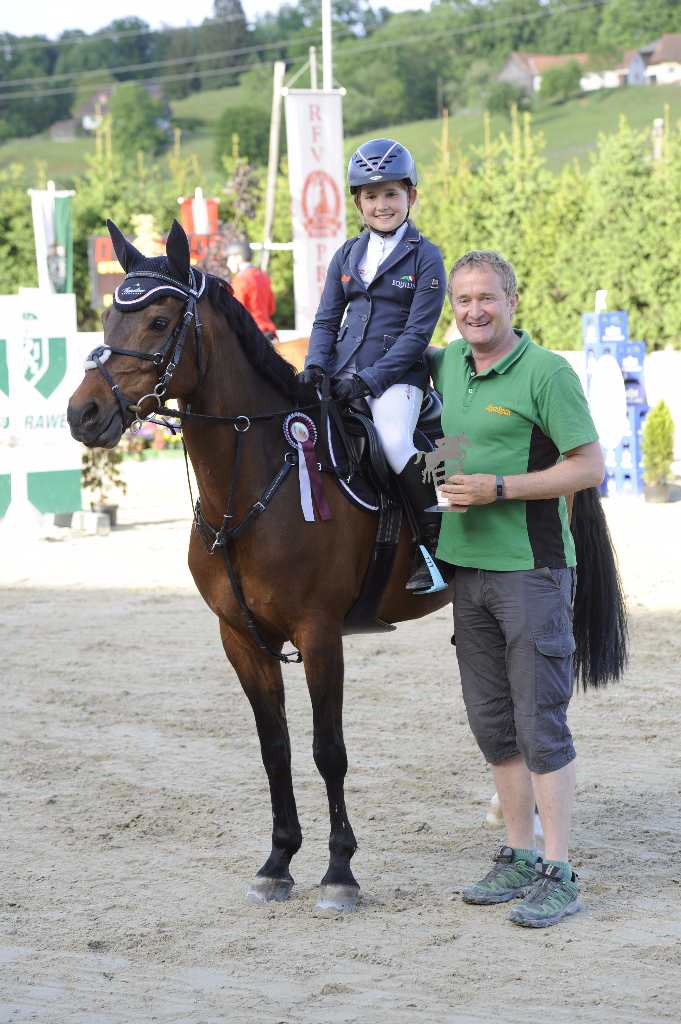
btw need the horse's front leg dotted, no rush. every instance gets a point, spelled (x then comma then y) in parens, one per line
(323, 658)
(263, 684)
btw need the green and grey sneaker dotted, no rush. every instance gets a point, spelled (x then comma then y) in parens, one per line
(551, 897)
(504, 882)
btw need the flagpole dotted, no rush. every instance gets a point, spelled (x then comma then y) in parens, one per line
(273, 165)
(327, 56)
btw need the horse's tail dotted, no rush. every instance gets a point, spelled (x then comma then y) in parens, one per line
(600, 615)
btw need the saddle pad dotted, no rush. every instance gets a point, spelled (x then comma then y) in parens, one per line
(358, 490)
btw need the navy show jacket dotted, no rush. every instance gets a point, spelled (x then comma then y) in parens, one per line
(388, 324)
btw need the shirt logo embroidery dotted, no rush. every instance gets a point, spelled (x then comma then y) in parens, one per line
(404, 282)
(345, 278)
(434, 283)
(498, 408)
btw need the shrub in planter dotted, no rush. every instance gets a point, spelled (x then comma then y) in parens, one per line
(101, 471)
(657, 448)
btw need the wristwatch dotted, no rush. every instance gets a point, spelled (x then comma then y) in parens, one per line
(500, 488)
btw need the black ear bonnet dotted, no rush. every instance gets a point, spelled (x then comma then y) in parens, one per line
(176, 276)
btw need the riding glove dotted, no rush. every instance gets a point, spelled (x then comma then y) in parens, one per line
(311, 375)
(350, 388)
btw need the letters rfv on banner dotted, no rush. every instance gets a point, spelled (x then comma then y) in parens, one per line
(314, 132)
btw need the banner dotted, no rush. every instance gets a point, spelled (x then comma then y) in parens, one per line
(199, 216)
(314, 131)
(53, 231)
(41, 365)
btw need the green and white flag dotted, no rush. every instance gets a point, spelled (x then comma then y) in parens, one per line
(53, 230)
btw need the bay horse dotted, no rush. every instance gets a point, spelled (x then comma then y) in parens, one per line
(298, 578)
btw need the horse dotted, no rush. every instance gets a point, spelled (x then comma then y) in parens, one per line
(296, 579)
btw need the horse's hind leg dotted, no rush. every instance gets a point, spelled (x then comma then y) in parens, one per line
(324, 670)
(262, 683)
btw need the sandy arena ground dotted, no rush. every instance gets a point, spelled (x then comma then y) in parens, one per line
(134, 809)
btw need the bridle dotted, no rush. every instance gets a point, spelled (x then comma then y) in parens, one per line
(99, 355)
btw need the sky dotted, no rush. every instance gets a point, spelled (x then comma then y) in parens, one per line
(50, 18)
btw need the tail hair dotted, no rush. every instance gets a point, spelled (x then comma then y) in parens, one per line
(600, 612)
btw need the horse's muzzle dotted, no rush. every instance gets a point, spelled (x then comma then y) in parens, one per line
(95, 426)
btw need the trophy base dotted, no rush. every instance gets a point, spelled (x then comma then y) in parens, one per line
(444, 506)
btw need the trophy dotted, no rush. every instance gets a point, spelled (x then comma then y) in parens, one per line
(444, 461)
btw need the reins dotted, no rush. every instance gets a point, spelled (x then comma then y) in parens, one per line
(211, 538)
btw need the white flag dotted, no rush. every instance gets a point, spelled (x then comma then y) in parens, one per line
(314, 131)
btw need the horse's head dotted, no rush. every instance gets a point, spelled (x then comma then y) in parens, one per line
(146, 318)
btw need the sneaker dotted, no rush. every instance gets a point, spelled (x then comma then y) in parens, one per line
(551, 897)
(505, 881)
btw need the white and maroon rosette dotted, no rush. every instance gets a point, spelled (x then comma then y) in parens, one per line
(300, 432)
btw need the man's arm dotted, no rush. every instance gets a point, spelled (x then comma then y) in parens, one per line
(582, 467)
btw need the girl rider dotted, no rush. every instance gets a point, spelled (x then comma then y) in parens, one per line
(382, 299)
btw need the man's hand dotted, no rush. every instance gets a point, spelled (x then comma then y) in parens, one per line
(476, 489)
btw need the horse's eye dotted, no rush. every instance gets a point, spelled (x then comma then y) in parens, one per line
(158, 325)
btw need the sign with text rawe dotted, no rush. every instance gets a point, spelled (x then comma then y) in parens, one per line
(40, 367)
(314, 132)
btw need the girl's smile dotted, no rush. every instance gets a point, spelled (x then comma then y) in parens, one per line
(386, 204)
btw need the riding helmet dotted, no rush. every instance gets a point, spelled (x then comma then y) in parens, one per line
(380, 160)
(240, 247)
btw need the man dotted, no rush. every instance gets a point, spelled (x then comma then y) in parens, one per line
(251, 287)
(522, 408)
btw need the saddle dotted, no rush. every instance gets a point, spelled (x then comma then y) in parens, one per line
(372, 486)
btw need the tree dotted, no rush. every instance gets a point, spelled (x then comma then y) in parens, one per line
(226, 30)
(252, 125)
(502, 96)
(636, 22)
(657, 444)
(559, 82)
(134, 119)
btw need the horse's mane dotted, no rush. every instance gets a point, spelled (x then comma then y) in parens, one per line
(259, 352)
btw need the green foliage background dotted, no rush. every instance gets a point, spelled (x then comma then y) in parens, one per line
(616, 227)
(657, 445)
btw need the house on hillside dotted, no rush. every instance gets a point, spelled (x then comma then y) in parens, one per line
(90, 119)
(657, 63)
(526, 70)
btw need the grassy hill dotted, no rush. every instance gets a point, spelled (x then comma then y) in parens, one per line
(571, 129)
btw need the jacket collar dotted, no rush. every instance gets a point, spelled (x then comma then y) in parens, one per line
(357, 254)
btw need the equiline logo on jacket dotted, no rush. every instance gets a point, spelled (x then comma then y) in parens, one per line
(407, 281)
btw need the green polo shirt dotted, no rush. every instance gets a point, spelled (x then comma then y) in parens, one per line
(520, 416)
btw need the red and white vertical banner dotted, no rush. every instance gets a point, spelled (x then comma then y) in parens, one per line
(314, 132)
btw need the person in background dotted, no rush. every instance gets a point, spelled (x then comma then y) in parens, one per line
(251, 287)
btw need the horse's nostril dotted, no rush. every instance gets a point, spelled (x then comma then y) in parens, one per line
(90, 414)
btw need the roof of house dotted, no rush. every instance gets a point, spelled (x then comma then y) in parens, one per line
(667, 50)
(102, 96)
(537, 63)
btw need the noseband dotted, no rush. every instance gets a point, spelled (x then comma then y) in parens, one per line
(99, 355)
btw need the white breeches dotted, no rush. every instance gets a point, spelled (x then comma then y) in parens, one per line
(395, 414)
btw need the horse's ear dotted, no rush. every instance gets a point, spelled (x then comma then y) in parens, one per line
(177, 252)
(126, 252)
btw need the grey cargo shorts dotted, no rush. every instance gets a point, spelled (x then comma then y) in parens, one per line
(514, 644)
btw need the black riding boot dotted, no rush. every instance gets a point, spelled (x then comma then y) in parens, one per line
(421, 496)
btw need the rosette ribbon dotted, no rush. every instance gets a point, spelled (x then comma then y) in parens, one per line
(301, 433)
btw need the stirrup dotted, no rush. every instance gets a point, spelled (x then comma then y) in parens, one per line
(435, 574)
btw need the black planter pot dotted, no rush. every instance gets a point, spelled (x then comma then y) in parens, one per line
(109, 510)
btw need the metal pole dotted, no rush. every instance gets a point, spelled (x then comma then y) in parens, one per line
(273, 164)
(327, 76)
(313, 67)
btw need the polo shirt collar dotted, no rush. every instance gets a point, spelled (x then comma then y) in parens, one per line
(509, 359)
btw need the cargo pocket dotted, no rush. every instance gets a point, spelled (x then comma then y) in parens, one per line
(553, 668)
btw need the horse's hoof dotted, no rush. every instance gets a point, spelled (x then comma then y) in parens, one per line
(269, 890)
(336, 899)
